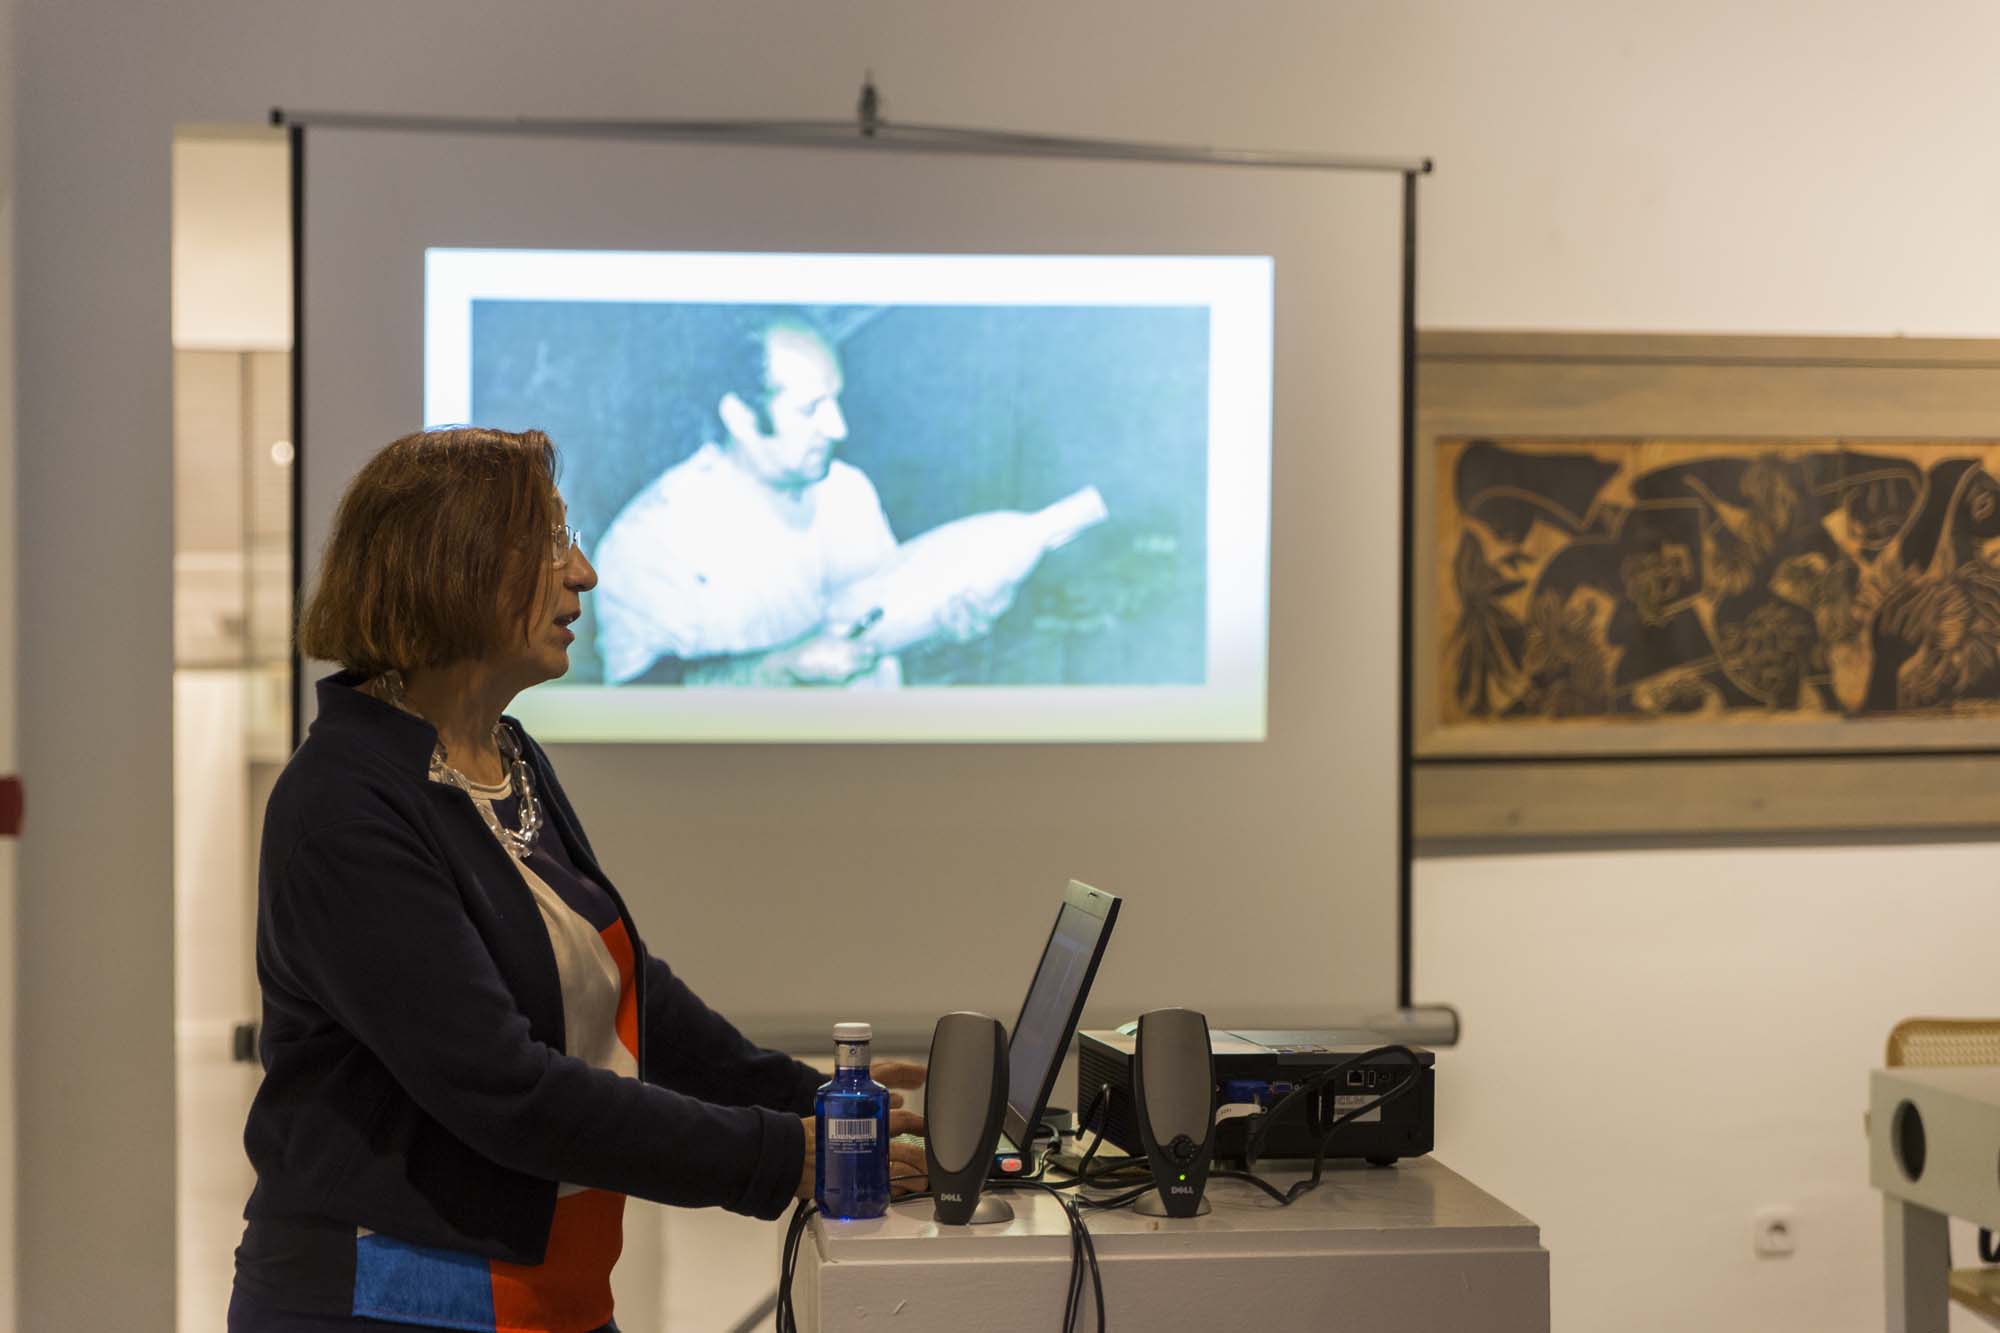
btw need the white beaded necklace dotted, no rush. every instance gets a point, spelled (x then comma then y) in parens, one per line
(518, 842)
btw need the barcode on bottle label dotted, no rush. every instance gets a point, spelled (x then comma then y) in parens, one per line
(850, 1131)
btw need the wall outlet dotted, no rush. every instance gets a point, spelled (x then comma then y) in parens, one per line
(1774, 1232)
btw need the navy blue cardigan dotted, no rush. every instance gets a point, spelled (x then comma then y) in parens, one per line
(414, 1080)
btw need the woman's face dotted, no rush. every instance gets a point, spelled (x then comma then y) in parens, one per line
(543, 647)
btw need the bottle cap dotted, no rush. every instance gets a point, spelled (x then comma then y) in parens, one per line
(853, 1032)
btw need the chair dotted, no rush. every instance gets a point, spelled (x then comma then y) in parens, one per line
(1931, 1042)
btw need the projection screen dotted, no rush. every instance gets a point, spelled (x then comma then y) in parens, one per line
(1189, 700)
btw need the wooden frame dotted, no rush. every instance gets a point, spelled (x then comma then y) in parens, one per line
(1644, 780)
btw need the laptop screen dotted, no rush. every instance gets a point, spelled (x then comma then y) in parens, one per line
(1055, 999)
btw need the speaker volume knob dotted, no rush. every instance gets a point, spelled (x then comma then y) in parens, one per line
(1183, 1149)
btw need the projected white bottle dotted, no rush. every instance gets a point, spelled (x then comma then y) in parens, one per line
(973, 562)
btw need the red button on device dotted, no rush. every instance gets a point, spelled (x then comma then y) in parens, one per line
(1010, 1165)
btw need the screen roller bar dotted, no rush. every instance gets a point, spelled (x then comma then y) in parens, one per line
(874, 133)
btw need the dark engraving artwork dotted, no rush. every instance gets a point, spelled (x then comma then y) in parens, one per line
(1663, 579)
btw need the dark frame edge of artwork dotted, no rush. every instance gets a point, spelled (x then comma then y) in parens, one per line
(1689, 386)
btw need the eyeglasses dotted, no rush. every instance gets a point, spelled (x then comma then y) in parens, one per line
(564, 538)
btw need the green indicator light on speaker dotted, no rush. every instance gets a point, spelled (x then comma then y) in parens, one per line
(1183, 1175)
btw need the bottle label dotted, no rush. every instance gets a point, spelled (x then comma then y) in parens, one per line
(850, 1135)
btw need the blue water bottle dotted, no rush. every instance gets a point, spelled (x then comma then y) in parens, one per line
(851, 1162)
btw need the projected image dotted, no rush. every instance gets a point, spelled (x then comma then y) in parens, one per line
(1011, 499)
(871, 496)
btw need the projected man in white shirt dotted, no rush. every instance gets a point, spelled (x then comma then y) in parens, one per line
(722, 569)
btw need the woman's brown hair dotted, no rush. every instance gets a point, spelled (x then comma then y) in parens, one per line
(435, 534)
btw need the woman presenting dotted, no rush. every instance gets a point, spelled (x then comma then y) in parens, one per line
(470, 1056)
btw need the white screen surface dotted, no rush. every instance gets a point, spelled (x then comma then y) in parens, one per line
(793, 884)
(1074, 452)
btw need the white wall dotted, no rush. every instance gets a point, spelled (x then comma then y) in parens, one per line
(1659, 1044)
(1784, 166)
(214, 984)
(232, 241)
(1805, 167)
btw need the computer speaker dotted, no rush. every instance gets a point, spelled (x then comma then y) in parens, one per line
(965, 1099)
(1173, 1086)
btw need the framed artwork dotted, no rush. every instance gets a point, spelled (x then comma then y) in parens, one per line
(1755, 584)
(1700, 585)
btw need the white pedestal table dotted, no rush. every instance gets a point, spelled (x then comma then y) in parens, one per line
(1400, 1249)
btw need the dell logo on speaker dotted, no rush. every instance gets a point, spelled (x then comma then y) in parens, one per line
(1180, 1189)
(952, 1198)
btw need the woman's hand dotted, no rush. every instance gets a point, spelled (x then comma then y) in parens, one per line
(808, 1177)
(907, 1167)
(907, 1170)
(893, 1074)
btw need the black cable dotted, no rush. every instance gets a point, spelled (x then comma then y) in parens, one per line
(1117, 1200)
(1102, 1098)
(1258, 1127)
(1083, 1248)
(1096, 1274)
(1074, 1305)
(1090, 1256)
(1082, 1255)
(787, 1261)
(1083, 1252)
(1073, 1297)
(1073, 1293)
(1256, 1180)
(1105, 1177)
(1082, 1175)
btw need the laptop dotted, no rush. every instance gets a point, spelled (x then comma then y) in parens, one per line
(1040, 1037)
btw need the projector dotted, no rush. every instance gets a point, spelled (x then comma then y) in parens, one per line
(1260, 1068)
